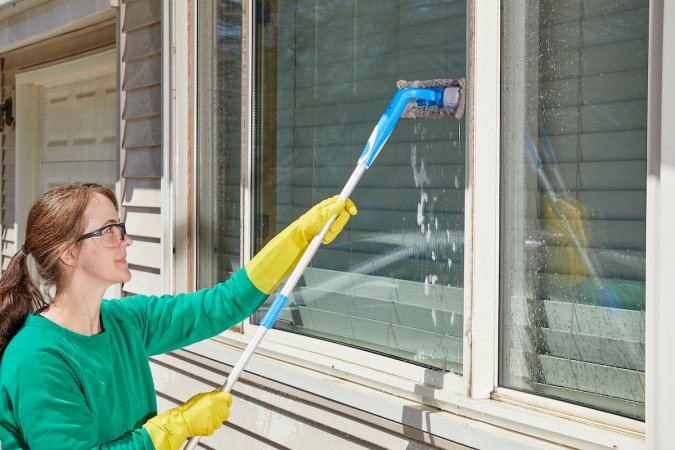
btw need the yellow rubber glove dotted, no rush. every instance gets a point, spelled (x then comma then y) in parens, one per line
(571, 263)
(199, 416)
(278, 258)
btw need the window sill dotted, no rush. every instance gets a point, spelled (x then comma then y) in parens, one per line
(499, 422)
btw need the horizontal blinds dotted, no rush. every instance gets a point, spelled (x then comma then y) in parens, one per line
(337, 67)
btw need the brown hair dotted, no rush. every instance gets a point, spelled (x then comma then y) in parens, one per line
(55, 221)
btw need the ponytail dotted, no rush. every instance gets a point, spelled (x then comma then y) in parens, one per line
(18, 298)
(55, 220)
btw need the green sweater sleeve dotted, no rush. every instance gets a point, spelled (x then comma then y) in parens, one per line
(168, 322)
(65, 420)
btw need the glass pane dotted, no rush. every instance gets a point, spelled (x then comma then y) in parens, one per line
(219, 155)
(574, 111)
(392, 282)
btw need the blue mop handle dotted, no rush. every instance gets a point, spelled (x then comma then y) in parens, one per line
(281, 298)
(543, 135)
(388, 121)
(385, 126)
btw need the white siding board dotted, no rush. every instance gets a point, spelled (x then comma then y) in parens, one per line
(143, 102)
(143, 72)
(143, 132)
(8, 249)
(142, 13)
(144, 253)
(143, 162)
(8, 218)
(144, 223)
(8, 203)
(148, 37)
(142, 192)
(143, 282)
(8, 234)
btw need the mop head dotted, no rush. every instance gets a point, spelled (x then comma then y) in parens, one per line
(456, 111)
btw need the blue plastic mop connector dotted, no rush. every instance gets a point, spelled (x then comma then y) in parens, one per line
(274, 310)
(437, 100)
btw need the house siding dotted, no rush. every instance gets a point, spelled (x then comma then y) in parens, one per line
(85, 41)
(268, 414)
(141, 141)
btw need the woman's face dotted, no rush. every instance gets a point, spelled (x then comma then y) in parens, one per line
(98, 259)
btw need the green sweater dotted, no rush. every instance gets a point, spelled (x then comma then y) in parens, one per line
(64, 390)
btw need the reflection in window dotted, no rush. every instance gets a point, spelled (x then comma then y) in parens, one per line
(325, 72)
(574, 116)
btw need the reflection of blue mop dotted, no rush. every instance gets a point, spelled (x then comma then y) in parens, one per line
(581, 251)
(553, 163)
(609, 299)
(424, 99)
(627, 294)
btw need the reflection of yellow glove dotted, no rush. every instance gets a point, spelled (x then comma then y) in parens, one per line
(199, 416)
(278, 258)
(553, 223)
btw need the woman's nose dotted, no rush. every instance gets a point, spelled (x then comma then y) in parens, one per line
(127, 241)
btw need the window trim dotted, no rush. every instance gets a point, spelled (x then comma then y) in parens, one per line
(476, 394)
(484, 113)
(659, 363)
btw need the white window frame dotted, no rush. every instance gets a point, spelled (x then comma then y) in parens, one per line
(502, 416)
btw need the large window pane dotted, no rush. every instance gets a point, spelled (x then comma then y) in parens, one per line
(325, 72)
(574, 116)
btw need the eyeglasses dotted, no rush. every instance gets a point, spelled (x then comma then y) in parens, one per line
(111, 235)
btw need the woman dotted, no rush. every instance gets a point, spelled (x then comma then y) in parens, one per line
(74, 371)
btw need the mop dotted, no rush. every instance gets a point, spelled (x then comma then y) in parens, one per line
(439, 99)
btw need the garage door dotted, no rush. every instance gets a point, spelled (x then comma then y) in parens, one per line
(78, 133)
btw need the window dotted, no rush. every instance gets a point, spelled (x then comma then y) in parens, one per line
(570, 262)
(392, 282)
(574, 118)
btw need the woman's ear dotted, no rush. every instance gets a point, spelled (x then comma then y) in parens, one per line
(69, 254)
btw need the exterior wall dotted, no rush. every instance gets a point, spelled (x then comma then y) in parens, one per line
(270, 414)
(141, 140)
(71, 45)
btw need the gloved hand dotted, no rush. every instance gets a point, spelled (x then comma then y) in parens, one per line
(199, 416)
(562, 235)
(278, 258)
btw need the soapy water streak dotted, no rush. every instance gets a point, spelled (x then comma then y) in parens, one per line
(421, 178)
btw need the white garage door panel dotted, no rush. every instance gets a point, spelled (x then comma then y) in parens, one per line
(57, 173)
(79, 121)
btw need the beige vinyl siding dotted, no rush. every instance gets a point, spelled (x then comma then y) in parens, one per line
(268, 414)
(141, 69)
(76, 44)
